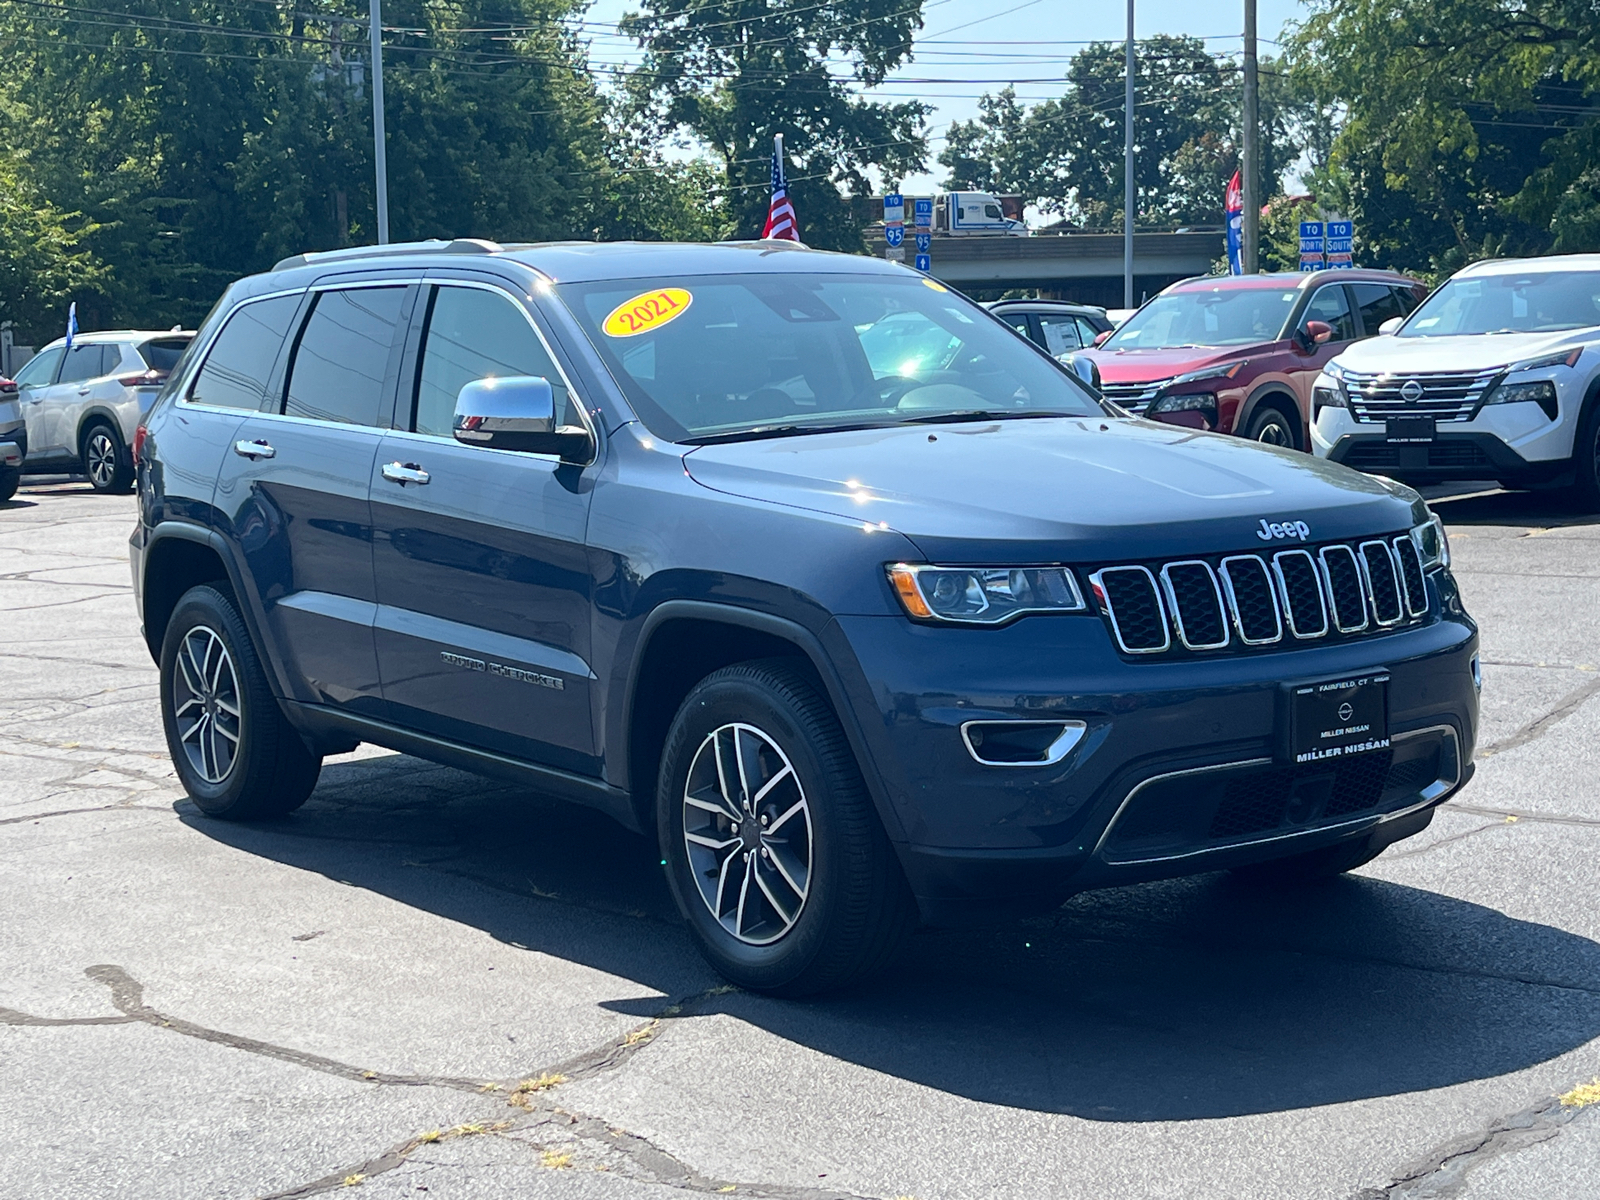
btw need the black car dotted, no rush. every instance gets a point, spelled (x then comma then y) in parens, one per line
(1058, 326)
(799, 563)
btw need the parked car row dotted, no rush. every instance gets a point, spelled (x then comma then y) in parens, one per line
(76, 407)
(1494, 376)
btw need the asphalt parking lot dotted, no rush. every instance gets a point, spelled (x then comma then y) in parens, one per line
(428, 983)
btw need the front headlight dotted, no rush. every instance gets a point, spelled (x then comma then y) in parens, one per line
(983, 595)
(1433, 544)
(1203, 403)
(1540, 391)
(1323, 396)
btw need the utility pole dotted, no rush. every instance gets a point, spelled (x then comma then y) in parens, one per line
(381, 159)
(1250, 169)
(1127, 172)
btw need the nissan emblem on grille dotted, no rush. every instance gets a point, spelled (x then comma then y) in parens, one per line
(1411, 391)
(1257, 600)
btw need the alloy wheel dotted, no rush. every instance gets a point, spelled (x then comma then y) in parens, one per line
(1273, 433)
(102, 458)
(747, 830)
(205, 704)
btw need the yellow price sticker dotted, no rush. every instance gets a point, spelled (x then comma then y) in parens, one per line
(647, 311)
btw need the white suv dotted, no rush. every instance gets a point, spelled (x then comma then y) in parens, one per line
(1495, 376)
(82, 404)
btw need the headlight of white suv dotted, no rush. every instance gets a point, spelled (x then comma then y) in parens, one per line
(983, 595)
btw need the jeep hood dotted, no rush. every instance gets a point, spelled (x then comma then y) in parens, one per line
(1468, 352)
(1057, 489)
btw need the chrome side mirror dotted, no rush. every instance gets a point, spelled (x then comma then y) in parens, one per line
(1391, 325)
(1086, 369)
(518, 413)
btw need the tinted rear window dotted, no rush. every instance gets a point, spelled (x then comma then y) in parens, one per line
(163, 355)
(237, 365)
(339, 365)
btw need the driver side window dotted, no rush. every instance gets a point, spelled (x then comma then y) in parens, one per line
(1331, 305)
(40, 370)
(477, 334)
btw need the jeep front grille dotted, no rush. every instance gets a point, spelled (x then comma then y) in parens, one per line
(1252, 600)
(1442, 395)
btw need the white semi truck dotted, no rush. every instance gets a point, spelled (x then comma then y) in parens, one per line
(964, 214)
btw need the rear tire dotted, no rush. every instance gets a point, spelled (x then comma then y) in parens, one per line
(773, 850)
(1272, 428)
(8, 484)
(105, 459)
(1310, 867)
(236, 755)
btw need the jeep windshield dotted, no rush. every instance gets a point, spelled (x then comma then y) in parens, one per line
(1542, 302)
(1218, 316)
(728, 357)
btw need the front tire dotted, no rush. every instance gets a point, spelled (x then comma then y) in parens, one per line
(1272, 428)
(105, 459)
(773, 850)
(236, 755)
(1584, 494)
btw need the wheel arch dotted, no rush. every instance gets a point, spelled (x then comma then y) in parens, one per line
(98, 414)
(1274, 395)
(683, 641)
(178, 557)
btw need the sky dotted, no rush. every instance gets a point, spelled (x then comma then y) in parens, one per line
(969, 47)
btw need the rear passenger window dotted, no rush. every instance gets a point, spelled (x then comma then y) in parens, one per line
(1378, 302)
(236, 368)
(84, 362)
(477, 334)
(338, 368)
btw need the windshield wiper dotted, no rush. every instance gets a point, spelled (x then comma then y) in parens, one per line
(776, 431)
(982, 414)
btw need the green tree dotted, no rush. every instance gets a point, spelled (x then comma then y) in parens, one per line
(43, 264)
(735, 72)
(1472, 126)
(1066, 156)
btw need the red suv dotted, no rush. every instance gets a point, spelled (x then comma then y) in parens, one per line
(1238, 353)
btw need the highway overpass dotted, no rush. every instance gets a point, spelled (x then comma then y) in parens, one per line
(1071, 266)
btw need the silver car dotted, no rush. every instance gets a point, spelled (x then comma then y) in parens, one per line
(82, 405)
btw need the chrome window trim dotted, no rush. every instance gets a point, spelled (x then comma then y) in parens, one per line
(1394, 573)
(1071, 734)
(1116, 629)
(1283, 594)
(1430, 794)
(1361, 588)
(1412, 610)
(1233, 600)
(517, 301)
(1177, 613)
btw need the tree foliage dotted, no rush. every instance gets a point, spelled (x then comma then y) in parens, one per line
(204, 139)
(735, 72)
(1065, 156)
(43, 262)
(1472, 127)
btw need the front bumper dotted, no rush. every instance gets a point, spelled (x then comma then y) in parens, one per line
(1171, 760)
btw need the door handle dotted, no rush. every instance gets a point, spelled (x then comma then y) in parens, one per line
(404, 473)
(254, 450)
(83, 391)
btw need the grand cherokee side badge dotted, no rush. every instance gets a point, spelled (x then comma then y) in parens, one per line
(493, 668)
(1286, 529)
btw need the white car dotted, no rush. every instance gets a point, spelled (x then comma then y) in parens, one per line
(82, 404)
(1495, 376)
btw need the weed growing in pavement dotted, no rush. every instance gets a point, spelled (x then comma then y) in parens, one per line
(1583, 1094)
(556, 1159)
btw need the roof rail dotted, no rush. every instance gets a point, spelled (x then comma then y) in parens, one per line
(432, 246)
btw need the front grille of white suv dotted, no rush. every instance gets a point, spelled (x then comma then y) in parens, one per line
(1442, 395)
(1254, 601)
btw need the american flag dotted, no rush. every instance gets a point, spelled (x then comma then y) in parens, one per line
(781, 222)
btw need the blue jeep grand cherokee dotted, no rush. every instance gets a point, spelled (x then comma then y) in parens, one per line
(800, 562)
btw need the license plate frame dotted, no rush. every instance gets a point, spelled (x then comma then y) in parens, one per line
(1318, 730)
(1410, 430)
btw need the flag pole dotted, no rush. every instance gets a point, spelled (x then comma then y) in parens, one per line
(1127, 172)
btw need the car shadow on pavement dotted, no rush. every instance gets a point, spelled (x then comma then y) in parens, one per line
(1525, 510)
(1171, 1001)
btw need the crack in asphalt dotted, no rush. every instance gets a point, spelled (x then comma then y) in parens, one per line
(1521, 814)
(1541, 725)
(1443, 1172)
(124, 805)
